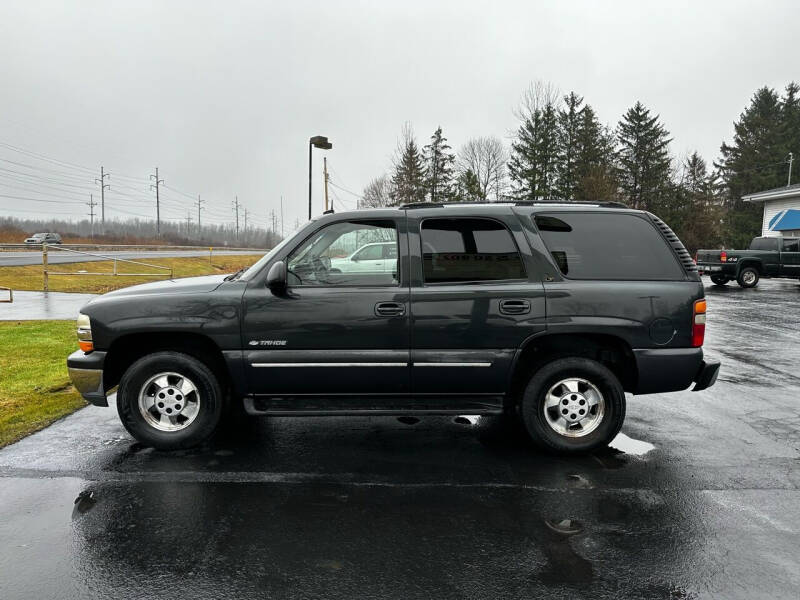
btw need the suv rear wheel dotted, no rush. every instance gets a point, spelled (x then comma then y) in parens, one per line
(573, 405)
(169, 400)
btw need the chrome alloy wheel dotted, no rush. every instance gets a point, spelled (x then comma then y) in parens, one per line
(574, 407)
(169, 402)
(749, 277)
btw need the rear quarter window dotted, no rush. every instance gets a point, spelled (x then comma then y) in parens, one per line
(607, 246)
(764, 243)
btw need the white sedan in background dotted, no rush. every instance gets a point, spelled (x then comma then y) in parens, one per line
(376, 257)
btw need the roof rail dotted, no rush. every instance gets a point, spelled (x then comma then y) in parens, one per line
(412, 205)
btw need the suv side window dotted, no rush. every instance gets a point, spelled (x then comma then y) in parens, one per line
(326, 258)
(372, 252)
(469, 250)
(791, 245)
(607, 246)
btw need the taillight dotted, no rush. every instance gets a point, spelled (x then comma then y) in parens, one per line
(699, 323)
(723, 256)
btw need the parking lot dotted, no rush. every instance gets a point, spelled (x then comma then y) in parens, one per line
(699, 499)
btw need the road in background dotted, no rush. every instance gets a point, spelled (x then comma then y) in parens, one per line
(23, 258)
(700, 499)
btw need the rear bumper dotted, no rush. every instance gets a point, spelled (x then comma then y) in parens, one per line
(729, 270)
(673, 369)
(86, 373)
(707, 375)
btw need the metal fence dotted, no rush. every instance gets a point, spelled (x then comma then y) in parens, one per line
(47, 273)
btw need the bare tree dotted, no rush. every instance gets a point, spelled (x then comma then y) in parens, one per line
(376, 193)
(486, 158)
(538, 95)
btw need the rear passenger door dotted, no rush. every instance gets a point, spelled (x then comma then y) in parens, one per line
(476, 296)
(790, 257)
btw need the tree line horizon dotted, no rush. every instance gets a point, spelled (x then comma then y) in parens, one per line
(562, 151)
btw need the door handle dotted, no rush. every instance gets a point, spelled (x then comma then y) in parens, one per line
(515, 307)
(390, 309)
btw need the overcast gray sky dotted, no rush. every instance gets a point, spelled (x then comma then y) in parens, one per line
(223, 96)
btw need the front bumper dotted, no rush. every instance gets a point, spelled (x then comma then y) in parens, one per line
(674, 369)
(86, 372)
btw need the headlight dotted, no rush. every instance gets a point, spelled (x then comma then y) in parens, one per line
(84, 333)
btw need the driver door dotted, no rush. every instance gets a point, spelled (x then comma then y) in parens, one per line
(335, 331)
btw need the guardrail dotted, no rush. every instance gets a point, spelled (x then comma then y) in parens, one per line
(46, 273)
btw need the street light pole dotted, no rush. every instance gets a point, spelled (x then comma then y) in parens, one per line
(321, 142)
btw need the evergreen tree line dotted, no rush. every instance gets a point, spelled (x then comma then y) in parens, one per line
(562, 151)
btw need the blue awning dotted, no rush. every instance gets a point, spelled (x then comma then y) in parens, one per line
(785, 220)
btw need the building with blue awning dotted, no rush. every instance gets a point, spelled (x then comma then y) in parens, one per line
(781, 210)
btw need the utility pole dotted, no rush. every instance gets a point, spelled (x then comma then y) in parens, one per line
(325, 179)
(281, 217)
(155, 186)
(103, 187)
(91, 204)
(199, 205)
(245, 220)
(236, 206)
(791, 160)
(188, 222)
(274, 218)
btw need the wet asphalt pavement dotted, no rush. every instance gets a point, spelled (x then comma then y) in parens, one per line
(700, 500)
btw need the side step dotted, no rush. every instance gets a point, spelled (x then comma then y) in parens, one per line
(299, 406)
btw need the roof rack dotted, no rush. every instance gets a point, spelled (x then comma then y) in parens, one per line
(412, 205)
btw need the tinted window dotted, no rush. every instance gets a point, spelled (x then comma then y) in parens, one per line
(607, 246)
(340, 254)
(763, 243)
(791, 245)
(468, 250)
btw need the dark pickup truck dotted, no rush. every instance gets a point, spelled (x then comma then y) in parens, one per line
(544, 312)
(766, 257)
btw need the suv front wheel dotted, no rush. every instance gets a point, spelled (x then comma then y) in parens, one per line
(170, 400)
(573, 405)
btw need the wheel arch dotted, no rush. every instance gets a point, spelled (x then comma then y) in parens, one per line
(609, 350)
(127, 349)
(750, 262)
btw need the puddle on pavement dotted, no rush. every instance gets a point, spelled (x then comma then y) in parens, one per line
(408, 420)
(628, 445)
(84, 503)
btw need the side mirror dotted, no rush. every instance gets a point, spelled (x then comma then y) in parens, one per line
(355, 258)
(276, 278)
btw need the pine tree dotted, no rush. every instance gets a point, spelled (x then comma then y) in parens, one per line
(569, 125)
(756, 159)
(594, 162)
(408, 180)
(644, 161)
(534, 153)
(693, 208)
(439, 165)
(468, 188)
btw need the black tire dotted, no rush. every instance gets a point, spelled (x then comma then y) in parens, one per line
(719, 279)
(607, 426)
(208, 392)
(748, 277)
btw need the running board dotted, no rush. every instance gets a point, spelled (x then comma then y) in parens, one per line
(299, 406)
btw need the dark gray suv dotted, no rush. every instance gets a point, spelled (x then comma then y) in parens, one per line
(545, 312)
